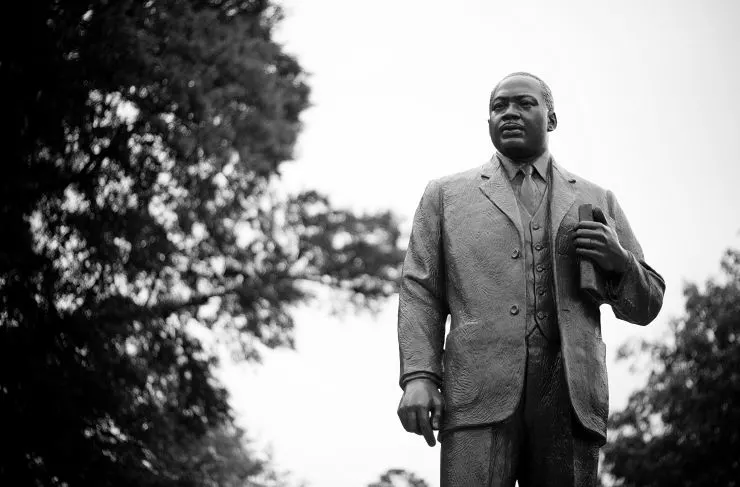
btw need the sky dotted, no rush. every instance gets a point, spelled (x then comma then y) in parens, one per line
(647, 104)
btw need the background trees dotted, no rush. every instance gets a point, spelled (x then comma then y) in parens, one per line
(684, 427)
(398, 477)
(142, 141)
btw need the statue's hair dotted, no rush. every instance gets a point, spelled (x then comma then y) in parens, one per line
(546, 93)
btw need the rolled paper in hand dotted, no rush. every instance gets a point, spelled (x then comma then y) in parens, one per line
(591, 281)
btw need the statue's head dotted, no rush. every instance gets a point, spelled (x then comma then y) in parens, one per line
(521, 113)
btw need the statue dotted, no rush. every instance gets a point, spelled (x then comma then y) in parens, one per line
(518, 390)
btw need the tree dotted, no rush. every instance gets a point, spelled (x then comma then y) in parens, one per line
(143, 141)
(219, 459)
(682, 428)
(398, 477)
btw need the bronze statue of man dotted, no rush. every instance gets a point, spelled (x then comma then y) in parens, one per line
(518, 390)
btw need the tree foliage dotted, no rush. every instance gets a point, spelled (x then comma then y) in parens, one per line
(142, 143)
(398, 477)
(683, 428)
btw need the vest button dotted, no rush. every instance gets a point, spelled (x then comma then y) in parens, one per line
(514, 309)
(541, 291)
(515, 254)
(540, 268)
(535, 226)
(540, 315)
(538, 247)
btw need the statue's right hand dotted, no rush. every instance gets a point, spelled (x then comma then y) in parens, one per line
(420, 399)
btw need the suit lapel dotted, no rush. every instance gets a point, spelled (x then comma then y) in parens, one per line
(497, 188)
(563, 197)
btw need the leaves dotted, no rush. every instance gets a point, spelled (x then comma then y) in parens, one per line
(398, 477)
(681, 429)
(138, 197)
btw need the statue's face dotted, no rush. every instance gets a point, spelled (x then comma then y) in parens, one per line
(519, 120)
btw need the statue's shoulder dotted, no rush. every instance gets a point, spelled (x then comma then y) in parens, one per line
(582, 183)
(460, 180)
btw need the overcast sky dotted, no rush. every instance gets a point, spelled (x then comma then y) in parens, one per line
(646, 95)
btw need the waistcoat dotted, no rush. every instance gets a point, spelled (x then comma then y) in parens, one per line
(540, 309)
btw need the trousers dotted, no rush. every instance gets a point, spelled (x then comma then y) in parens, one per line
(541, 445)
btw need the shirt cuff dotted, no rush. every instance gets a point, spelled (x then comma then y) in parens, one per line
(420, 375)
(615, 283)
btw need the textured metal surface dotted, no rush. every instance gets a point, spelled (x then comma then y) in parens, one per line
(541, 444)
(460, 261)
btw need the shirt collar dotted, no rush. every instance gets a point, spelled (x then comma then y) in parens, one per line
(512, 168)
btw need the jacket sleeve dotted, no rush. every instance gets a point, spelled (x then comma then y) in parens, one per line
(637, 295)
(422, 308)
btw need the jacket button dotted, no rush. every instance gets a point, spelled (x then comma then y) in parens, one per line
(540, 268)
(541, 291)
(514, 310)
(515, 254)
(535, 226)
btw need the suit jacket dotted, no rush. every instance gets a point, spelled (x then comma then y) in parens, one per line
(462, 260)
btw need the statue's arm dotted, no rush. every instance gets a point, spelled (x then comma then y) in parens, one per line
(636, 295)
(422, 309)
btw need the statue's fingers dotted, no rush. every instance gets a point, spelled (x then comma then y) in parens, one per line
(403, 416)
(411, 424)
(599, 216)
(590, 253)
(588, 243)
(592, 234)
(589, 226)
(437, 415)
(425, 425)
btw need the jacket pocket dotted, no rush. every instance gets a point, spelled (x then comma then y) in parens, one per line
(482, 367)
(460, 383)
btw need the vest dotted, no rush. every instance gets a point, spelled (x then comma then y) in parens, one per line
(538, 265)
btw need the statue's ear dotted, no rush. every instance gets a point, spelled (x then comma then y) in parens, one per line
(552, 121)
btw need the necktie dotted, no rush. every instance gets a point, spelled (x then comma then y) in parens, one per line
(528, 194)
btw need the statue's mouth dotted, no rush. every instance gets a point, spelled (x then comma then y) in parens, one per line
(511, 127)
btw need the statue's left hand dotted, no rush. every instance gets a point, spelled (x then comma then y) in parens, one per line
(421, 407)
(599, 242)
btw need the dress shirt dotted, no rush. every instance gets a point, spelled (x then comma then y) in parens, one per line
(539, 172)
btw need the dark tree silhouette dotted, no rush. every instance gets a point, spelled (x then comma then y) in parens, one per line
(398, 477)
(684, 427)
(142, 141)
